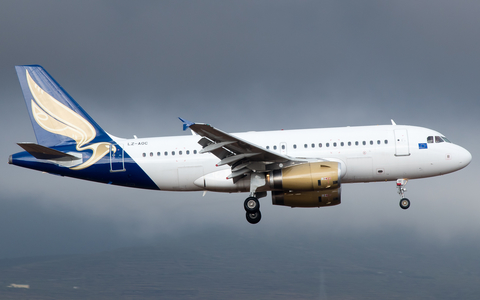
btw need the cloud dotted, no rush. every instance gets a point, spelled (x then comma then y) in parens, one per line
(240, 66)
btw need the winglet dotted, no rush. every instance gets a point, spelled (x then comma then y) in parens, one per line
(186, 123)
(393, 122)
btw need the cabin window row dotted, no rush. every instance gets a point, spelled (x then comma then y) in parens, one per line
(166, 153)
(334, 144)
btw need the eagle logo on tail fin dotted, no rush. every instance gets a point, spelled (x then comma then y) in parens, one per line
(55, 117)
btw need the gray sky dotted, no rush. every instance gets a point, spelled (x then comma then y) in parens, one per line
(240, 66)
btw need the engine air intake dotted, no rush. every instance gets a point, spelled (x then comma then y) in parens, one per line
(306, 177)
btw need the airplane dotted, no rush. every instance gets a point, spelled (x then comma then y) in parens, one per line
(301, 168)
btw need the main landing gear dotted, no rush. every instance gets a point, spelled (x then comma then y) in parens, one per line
(404, 202)
(251, 204)
(252, 210)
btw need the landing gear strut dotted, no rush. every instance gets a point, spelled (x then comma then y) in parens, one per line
(404, 202)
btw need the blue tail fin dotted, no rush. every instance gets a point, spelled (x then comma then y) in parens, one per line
(56, 118)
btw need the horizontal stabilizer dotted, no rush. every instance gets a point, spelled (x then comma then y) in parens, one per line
(42, 152)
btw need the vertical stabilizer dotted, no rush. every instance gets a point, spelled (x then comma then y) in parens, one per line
(56, 118)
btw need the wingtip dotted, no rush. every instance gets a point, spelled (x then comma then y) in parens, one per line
(186, 123)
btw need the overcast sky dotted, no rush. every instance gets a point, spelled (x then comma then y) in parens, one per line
(135, 66)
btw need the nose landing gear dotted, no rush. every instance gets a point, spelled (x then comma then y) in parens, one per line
(404, 202)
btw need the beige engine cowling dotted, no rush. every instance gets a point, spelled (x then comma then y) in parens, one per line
(308, 198)
(306, 177)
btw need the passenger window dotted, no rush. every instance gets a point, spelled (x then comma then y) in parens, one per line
(364, 143)
(438, 139)
(356, 143)
(294, 146)
(194, 151)
(313, 145)
(283, 147)
(430, 139)
(144, 154)
(341, 144)
(268, 147)
(319, 145)
(173, 152)
(275, 147)
(378, 142)
(305, 146)
(151, 154)
(158, 153)
(349, 143)
(335, 144)
(371, 142)
(188, 152)
(179, 152)
(327, 144)
(166, 153)
(386, 142)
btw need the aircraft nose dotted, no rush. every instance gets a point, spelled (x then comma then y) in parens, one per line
(464, 157)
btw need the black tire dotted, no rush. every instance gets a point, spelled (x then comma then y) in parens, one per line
(251, 205)
(253, 218)
(404, 203)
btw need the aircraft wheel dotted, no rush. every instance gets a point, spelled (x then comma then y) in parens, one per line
(251, 205)
(404, 203)
(253, 218)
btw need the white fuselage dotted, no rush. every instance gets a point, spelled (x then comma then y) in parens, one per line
(365, 153)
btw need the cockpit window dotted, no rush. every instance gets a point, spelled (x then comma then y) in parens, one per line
(437, 139)
(445, 139)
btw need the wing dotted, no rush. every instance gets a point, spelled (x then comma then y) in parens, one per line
(242, 156)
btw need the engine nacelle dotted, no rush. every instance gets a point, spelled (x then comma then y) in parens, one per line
(306, 177)
(307, 199)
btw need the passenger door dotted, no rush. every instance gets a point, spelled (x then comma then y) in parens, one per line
(401, 142)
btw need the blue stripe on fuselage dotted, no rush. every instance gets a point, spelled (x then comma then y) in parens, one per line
(133, 176)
